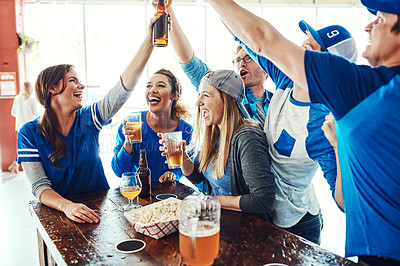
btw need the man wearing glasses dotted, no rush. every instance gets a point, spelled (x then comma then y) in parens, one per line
(257, 98)
(297, 144)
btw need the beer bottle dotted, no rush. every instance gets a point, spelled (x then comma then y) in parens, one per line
(144, 174)
(160, 27)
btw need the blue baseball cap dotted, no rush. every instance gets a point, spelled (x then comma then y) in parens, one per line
(335, 39)
(229, 82)
(385, 6)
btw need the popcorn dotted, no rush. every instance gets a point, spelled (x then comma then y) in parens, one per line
(157, 219)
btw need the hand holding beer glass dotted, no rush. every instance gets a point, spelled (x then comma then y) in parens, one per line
(173, 148)
(199, 224)
(134, 121)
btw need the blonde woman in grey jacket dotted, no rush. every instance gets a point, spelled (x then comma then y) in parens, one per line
(230, 149)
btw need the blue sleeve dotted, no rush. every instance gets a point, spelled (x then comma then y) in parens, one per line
(318, 147)
(195, 70)
(340, 84)
(187, 132)
(277, 76)
(121, 161)
(26, 145)
(91, 116)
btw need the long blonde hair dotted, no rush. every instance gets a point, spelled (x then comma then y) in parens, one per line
(210, 143)
(27, 90)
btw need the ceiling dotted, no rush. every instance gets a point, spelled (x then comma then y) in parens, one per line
(251, 2)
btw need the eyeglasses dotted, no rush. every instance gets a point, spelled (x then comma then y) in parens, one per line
(246, 59)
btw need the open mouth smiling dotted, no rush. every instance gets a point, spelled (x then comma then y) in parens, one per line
(204, 114)
(78, 95)
(243, 73)
(154, 100)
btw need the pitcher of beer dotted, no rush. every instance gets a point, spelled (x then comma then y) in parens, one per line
(199, 220)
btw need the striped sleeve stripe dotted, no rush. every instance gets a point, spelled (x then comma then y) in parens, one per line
(28, 150)
(28, 155)
(94, 117)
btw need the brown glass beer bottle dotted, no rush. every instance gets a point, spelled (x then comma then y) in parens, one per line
(160, 27)
(144, 174)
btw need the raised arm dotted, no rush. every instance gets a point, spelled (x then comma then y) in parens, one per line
(115, 98)
(330, 133)
(182, 47)
(263, 39)
(134, 70)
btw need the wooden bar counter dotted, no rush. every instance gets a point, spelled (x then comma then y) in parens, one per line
(245, 239)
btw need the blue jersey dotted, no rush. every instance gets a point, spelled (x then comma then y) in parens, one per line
(297, 146)
(365, 104)
(196, 69)
(124, 162)
(81, 169)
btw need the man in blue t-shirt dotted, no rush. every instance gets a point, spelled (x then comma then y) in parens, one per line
(257, 98)
(364, 101)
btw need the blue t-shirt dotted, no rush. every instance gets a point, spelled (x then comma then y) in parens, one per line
(365, 104)
(81, 169)
(297, 146)
(123, 162)
(221, 186)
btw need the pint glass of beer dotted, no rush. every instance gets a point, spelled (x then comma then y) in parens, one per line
(199, 220)
(134, 120)
(173, 146)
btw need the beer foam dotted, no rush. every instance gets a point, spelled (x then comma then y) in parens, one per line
(204, 228)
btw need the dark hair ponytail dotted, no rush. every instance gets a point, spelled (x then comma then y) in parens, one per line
(48, 123)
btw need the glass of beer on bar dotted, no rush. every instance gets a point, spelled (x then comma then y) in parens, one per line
(130, 188)
(173, 146)
(199, 224)
(134, 120)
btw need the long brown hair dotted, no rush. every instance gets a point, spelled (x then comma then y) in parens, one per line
(212, 144)
(179, 109)
(48, 124)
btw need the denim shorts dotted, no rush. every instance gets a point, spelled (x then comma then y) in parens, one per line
(309, 227)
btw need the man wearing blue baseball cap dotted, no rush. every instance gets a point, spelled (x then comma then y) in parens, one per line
(297, 144)
(333, 39)
(364, 101)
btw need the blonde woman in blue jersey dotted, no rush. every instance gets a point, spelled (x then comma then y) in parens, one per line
(60, 150)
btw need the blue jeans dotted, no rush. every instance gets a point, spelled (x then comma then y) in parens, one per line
(309, 227)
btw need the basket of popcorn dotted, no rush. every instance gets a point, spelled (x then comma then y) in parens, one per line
(157, 219)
